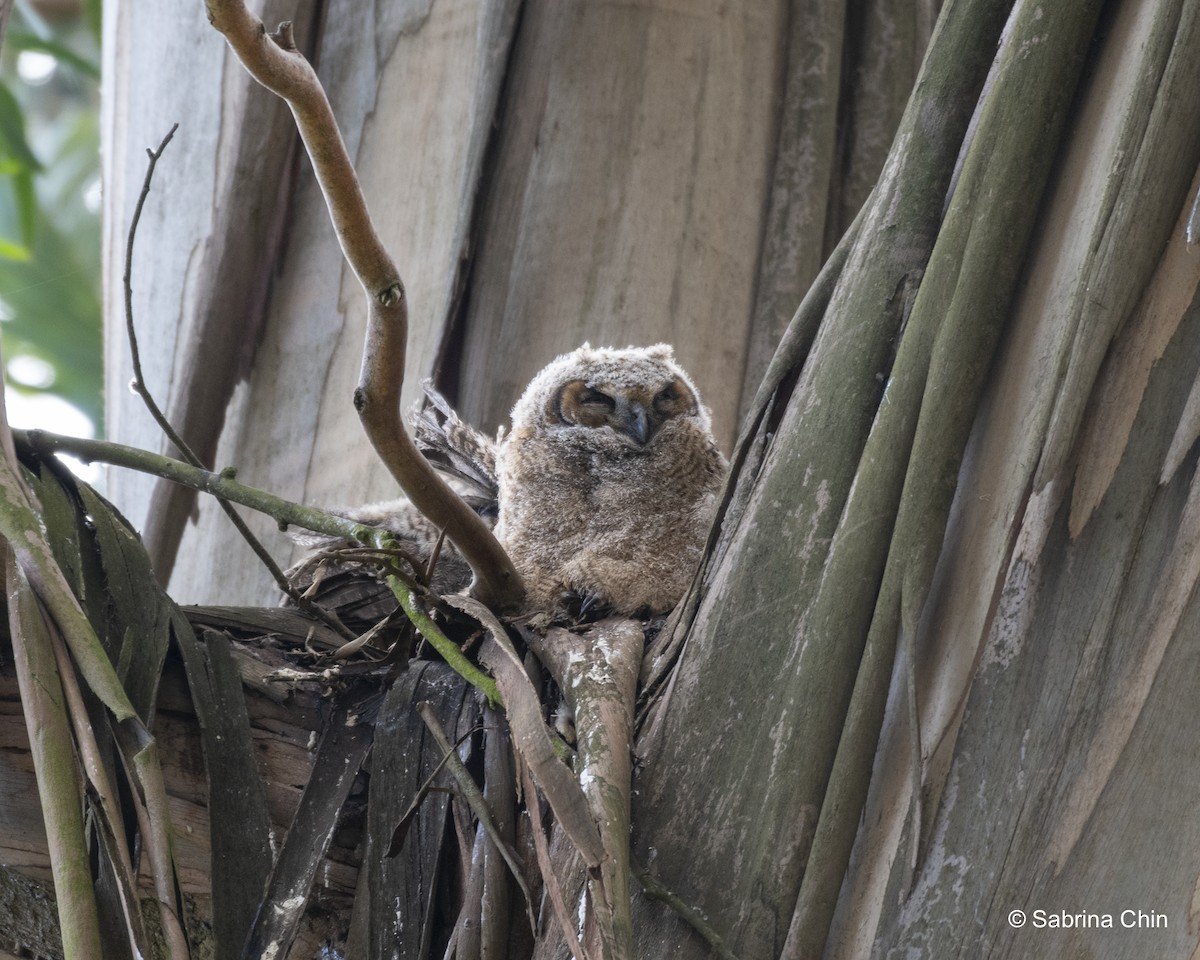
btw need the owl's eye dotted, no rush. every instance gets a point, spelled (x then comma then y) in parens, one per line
(594, 398)
(578, 403)
(673, 399)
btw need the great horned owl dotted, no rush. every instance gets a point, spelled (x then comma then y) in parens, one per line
(604, 488)
(608, 481)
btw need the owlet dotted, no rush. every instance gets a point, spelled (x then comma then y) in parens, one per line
(608, 481)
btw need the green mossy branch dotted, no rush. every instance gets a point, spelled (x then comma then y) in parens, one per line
(283, 511)
(222, 484)
(449, 650)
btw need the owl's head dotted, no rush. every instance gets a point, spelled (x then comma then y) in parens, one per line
(633, 395)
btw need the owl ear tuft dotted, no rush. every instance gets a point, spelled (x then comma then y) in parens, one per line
(661, 351)
(581, 353)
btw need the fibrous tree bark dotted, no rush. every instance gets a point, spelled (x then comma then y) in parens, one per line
(933, 670)
(835, 590)
(1049, 656)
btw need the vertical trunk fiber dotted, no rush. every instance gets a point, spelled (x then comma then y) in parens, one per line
(1051, 663)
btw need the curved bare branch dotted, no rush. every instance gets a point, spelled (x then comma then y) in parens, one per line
(273, 60)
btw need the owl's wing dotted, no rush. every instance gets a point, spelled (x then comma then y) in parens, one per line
(468, 458)
(458, 450)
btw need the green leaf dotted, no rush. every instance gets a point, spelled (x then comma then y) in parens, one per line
(11, 250)
(54, 300)
(59, 51)
(27, 205)
(93, 12)
(56, 314)
(12, 132)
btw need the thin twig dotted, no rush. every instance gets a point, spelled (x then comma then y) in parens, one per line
(139, 387)
(273, 60)
(397, 841)
(139, 384)
(444, 645)
(479, 806)
(283, 511)
(376, 555)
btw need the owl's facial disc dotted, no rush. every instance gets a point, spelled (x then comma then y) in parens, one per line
(578, 403)
(637, 413)
(674, 400)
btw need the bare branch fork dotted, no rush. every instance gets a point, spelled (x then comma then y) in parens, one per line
(273, 60)
(140, 387)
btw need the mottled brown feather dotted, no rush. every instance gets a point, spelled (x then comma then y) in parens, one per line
(608, 481)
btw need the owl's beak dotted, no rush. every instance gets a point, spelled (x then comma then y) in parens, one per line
(632, 421)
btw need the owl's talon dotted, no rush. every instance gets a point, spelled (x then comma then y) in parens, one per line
(593, 607)
(584, 606)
